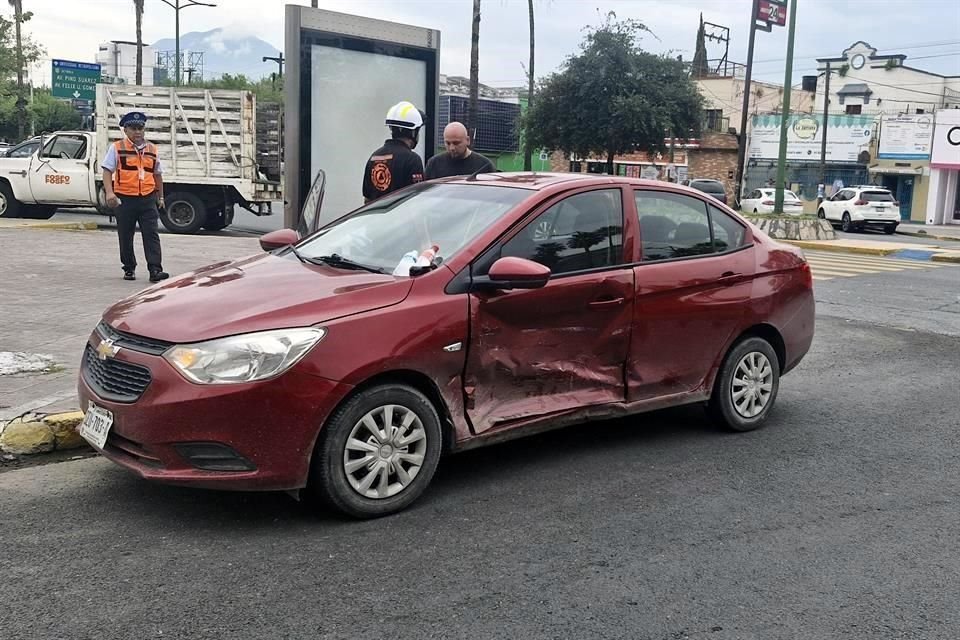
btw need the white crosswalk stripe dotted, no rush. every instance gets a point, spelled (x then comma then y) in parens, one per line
(827, 266)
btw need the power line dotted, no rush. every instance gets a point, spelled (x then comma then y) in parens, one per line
(894, 48)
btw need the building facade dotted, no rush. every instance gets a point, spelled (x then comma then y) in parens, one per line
(943, 201)
(118, 62)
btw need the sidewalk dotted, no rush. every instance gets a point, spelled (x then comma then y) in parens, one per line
(56, 285)
(931, 231)
(933, 253)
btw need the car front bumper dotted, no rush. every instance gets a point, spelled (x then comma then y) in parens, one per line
(252, 437)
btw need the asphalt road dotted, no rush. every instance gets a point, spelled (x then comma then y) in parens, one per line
(839, 519)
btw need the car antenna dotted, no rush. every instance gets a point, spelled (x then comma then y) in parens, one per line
(473, 176)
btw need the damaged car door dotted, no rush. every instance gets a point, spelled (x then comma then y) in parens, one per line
(561, 347)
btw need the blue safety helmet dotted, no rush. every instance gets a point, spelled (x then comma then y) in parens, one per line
(134, 117)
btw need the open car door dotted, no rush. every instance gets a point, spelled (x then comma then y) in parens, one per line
(310, 214)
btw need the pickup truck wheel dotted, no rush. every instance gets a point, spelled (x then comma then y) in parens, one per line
(9, 206)
(184, 213)
(38, 211)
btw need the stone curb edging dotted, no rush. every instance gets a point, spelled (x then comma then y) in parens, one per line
(34, 433)
(55, 226)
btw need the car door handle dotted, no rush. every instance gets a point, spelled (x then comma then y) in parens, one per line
(726, 275)
(22, 174)
(603, 303)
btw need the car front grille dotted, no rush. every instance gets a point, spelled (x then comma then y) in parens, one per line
(125, 340)
(113, 379)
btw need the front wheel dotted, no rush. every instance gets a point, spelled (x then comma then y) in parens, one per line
(184, 213)
(378, 452)
(822, 214)
(746, 386)
(9, 206)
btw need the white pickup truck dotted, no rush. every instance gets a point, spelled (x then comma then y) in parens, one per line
(208, 143)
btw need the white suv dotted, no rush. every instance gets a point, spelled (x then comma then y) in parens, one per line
(857, 208)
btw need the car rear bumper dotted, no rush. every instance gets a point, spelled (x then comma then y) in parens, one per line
(250, 437)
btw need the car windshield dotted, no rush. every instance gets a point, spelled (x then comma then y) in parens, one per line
(381, 234)
(877, 196)
(708, 187)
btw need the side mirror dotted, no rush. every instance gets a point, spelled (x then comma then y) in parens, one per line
(514, 273)
(278, 239)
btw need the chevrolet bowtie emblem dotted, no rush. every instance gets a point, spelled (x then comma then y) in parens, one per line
(106, 349)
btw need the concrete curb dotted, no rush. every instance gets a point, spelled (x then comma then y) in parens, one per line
(55, 226)
(930, 236)
(33, 433)
(952, 258)
(826, 246)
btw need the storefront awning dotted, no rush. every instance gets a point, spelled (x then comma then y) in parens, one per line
(903, 171)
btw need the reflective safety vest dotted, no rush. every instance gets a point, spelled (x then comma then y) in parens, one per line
(134, 174)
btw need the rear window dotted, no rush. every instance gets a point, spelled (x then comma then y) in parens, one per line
(877, 196)
(708, 187)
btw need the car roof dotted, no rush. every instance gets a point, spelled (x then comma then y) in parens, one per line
(536, 181)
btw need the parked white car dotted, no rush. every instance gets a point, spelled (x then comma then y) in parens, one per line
(857, 208)
(762, 200)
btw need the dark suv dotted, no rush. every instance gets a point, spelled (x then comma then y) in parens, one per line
(713, 188)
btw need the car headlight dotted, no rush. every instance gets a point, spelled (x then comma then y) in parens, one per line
(244, 358)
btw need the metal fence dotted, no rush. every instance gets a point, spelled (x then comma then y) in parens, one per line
(803, 177)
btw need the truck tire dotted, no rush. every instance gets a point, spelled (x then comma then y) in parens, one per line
(9, 206)
(38, 211)
(184, 213)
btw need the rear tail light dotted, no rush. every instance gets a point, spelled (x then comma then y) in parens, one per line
(767, 202)
(860, 202)
(807, 274)
(896, 203)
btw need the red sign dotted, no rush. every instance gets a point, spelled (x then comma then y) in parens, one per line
(772, 12)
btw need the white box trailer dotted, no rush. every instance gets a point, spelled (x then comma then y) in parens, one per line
(209, 145)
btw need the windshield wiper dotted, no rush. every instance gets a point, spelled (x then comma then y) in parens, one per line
(336, 260)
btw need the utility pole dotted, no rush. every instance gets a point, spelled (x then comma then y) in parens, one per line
(784, 119)
(742, 148)
(21, 102)
(824, 127)
(176, 6)
(278, 60)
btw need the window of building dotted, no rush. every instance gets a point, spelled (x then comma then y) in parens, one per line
(854, 109)
(714, 119)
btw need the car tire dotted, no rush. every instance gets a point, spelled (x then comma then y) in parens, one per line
(347, 477)
(755, 211)
(822, 214)
(890, 229)
(10, 207)
(184, 213)
(846, 224)
(751, 368)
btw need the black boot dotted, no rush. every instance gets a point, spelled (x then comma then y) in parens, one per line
(129, 275)
(157, 276)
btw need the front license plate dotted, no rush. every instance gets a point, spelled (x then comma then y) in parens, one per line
(96, 426)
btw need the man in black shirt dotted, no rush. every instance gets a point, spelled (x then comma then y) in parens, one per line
(395, 165)
(459, 160)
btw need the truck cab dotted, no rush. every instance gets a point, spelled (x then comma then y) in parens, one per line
(61, 172)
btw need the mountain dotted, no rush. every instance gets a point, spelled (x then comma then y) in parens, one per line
(224, 53)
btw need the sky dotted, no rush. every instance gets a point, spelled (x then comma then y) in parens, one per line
(927, 31)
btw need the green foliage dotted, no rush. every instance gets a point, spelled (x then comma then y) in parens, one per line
(266, 89)
(613, 98)
(48, 114)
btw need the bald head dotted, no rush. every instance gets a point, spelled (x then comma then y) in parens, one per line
(456, 140)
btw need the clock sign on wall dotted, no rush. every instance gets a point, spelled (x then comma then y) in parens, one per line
(858, 61)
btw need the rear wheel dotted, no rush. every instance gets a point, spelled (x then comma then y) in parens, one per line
(746, 386)
(890, 229)
(846, 224)
(184, 213)
(378, 452)
(9, 206)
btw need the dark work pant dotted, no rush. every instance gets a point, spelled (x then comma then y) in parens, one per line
(133, 211)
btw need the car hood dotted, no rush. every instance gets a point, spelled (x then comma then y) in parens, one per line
(252, 294)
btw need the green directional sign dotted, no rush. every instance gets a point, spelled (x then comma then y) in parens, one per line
(75, 80)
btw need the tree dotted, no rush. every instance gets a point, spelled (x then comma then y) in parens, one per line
(17, 52)
(473, 108)
(138, 8)
(700, 68)
(528, 148)
(613, 98)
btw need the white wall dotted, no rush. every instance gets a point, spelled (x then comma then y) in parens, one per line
(726, 93)
(896, 90)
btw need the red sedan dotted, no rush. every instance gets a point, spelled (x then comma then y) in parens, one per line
(445, 316)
